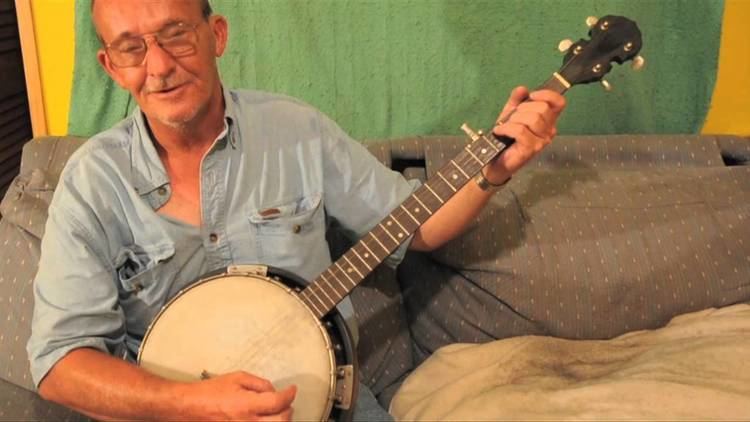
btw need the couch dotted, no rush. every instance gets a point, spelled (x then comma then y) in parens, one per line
(599, 242)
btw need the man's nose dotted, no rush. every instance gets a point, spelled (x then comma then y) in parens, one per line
(158, 61)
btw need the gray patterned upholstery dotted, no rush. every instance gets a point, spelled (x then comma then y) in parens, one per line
(24, 213)
(18, 404)
(600, 235)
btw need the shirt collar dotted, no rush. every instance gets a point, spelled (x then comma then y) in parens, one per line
(150, 178)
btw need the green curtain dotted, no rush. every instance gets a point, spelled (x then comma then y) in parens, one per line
(386, 68)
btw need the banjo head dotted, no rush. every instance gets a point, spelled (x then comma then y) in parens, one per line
(248, 323)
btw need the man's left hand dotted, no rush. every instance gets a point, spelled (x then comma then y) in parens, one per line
(530, 119)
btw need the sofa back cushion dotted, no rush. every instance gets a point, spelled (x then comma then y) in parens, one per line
(591, 240)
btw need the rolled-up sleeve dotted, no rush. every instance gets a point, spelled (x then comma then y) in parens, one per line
(360, 190)
(76, 300)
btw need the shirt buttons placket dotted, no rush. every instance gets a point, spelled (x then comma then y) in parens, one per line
(213, 237)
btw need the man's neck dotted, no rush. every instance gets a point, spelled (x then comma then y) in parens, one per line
(193, 137)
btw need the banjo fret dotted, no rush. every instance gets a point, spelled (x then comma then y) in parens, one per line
(361, 259)
(346, 274)
(400, 224)
(307, 299)
(353, 267)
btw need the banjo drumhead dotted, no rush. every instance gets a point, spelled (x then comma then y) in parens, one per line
(249, 323)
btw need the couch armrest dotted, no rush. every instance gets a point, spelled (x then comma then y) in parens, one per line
(20, 404)
(735, 150)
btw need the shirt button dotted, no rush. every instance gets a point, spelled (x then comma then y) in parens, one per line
(162, 191)
(213, 237)
(296, 228)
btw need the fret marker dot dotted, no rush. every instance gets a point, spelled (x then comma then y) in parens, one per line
(454, 176)
(367, 255)
(388, 223)
(416, 210)
(400, 235)
(348, 270)
(484, 150)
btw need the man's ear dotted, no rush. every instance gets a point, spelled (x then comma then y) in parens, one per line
(220, 28)
(103, 59)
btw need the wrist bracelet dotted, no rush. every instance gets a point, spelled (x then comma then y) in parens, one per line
(488, 186)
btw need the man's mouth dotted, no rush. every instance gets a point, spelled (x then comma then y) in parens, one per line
(169, 90)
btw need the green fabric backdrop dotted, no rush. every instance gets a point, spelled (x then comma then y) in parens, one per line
(385, 68)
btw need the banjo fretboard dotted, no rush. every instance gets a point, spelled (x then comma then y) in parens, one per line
(339, 279)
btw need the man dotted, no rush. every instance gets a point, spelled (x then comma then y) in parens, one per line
(201, 177)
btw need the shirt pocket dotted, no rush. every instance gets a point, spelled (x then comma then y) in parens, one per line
(142, 273)
(287, 234)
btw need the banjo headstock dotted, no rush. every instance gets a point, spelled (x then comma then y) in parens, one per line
(611, 39)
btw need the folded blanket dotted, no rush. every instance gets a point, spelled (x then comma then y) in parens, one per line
(697, 367)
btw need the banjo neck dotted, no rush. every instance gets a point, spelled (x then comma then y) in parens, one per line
(612, 39)
(339, 279)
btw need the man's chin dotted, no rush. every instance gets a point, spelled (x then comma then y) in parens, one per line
(174, 120)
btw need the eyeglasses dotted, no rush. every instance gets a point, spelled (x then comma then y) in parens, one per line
(178, 39)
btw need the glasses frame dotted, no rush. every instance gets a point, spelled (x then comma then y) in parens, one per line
(155, 35)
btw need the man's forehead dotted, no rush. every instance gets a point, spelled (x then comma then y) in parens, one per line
(115, 18)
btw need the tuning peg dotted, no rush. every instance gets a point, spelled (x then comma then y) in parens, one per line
(564, 45)
(606, 85)
(470, 132)
(638, 63)
(591, 21)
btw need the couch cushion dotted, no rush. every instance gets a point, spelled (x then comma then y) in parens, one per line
(25, 204)
(19, 404)
(585, 251)
(631, 152)
(24, 213)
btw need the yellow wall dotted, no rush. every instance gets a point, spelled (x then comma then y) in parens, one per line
(729, 112)
(54, 21)
(730, 104)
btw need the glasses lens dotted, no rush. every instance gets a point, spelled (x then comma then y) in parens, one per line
(178, 39)
(127, 51)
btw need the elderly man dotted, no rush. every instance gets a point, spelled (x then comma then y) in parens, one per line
(180, 188)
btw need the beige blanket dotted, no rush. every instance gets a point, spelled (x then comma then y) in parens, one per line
(697, 367)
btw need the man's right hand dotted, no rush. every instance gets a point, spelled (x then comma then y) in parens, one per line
(239, 395)
(126, 391)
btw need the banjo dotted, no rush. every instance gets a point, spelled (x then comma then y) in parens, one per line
(269, 322)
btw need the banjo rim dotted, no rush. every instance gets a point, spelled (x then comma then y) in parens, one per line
(270, 275)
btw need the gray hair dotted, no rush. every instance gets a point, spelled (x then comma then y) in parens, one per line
(206, 10)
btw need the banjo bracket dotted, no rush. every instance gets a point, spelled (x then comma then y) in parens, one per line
(260, 270)
(344, 386)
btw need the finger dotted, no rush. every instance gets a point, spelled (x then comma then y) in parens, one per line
(541, 108)
(556, 101)
(285, 415)
(517, 96)
(550, 110)
(254, 383)
(527, 143)
(535, 121)
(271, 403)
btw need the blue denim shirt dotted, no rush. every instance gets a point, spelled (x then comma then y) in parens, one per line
(109, 261)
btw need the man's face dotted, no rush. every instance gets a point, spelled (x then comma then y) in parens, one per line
(172, 90)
